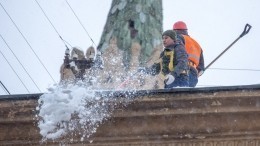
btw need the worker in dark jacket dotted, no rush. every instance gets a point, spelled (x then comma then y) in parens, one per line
(173, 64)
(195, 53)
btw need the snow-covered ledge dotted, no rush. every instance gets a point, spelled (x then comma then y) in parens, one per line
(214, 116)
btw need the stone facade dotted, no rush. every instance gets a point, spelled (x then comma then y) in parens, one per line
(216, 116)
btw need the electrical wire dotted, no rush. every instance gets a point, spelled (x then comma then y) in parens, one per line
(81, 24)
(228, 69)
(3, 86)
(52, 24)
(27, 43)
(234, 69)
(20, 63)
(15, 72)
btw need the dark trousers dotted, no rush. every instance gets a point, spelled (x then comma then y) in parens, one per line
(180, 81)
(193, 77)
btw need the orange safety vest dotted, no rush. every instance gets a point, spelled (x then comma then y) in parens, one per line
(193, 49)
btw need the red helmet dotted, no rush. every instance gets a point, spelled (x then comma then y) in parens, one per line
(179, 25)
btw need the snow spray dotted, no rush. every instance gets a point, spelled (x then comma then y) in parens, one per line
(73, 110)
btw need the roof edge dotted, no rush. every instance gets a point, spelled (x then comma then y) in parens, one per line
(144, 92)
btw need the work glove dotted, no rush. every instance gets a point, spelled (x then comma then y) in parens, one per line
(169, 79)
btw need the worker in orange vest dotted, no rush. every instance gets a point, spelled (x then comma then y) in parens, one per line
(195, 53)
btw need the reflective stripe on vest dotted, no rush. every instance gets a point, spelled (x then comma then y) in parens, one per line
(193, 49)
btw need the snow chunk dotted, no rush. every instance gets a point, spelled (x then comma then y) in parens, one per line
(61, 112)
(73, 109)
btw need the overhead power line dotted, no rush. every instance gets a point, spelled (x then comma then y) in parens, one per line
(236, 69)
(3, 86)
(27, 43)
(52, 24)
(81, 23)
(20, 63)
(15, 72)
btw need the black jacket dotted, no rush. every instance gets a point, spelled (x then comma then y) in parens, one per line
(180, 61)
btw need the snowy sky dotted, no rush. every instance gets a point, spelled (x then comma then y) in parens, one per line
(214, 24)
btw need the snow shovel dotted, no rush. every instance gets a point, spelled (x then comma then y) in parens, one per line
(246, 30)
